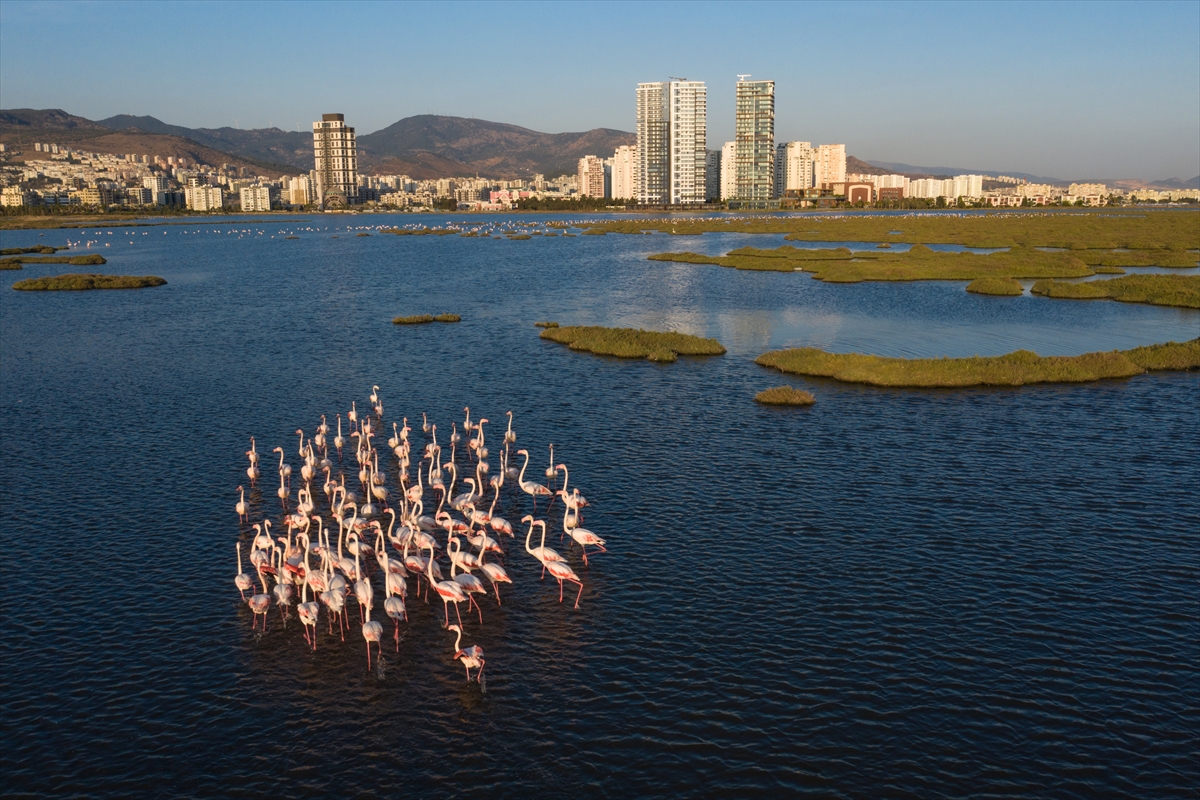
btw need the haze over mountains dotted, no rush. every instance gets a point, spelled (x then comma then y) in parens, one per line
(423, 146)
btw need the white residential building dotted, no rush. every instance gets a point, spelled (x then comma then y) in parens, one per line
(672, 130)
(754, 135)
(255, 198)
(970, 186)
(298, 191)
(624, 173)
(729, 171)
(335, 151)
(892, 182)
(204, 198)
(830, 165)
(591, 177)
(155, 183)
(794, 166)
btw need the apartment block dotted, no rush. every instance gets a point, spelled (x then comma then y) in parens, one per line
(1085, 189)
(672, 131)
(624, 172)
(795, 164)
(754, 135)
(335, 151)
(830, 164)
(255, 198)
(712, 176)
(591, 176)
(729, 171)
(204, 198)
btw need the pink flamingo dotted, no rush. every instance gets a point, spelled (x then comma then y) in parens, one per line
(469, 656)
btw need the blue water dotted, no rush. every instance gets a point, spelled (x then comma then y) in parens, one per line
(899, 593)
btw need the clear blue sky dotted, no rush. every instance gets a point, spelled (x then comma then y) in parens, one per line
(1061, 89)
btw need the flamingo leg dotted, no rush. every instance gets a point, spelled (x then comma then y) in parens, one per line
(560, 590)
(457, 614)
(496, 589)
(580, 594)
(368, 655)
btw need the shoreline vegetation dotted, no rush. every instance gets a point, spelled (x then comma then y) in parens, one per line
(82, 282)
(784, 396)
(1018, 368)
(999, 287)
(54, 222)
(421, 319)
(919, 263)
(658, 346)
(1180, 291)
(1160, 236)
(91, 259)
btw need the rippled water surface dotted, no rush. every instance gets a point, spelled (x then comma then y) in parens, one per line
(892, 593)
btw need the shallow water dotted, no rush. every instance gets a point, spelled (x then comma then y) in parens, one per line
(909, 593)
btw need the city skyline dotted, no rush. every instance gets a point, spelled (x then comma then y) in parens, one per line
(1068, 90)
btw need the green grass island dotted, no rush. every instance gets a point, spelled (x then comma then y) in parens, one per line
(1000, 287)
(1179, 291)
(1013, 369)
(421, 319)
(784, 396)
(919, 263)
(659, 346)
(81, 282)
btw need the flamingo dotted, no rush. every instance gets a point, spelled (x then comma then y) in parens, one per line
(243, 510)
(509, 435)
(307, 611)
(242, 581)
(551, 472)
(469, 583)
(469, 656)
(495, 573)
(543, 554)
(372, 631)
(560, 570)
(260, 603)
(575, 500)
(449, 591)
(339, 440)
(362, 587)
(583, 536)
(531, 488)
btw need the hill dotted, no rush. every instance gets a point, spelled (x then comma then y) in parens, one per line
(491, 148)
(272, 145)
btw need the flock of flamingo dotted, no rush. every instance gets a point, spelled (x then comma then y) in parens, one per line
(309, 570)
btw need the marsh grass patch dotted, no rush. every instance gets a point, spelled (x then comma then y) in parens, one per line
(659, 346)
(83, 281)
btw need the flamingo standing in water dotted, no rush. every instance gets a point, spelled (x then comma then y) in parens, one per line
(469, 656)
(242, 580)
(308, 610)
(531, 488)
(252, 470)
(542, 553)
(372, 631)
(449, 591)
(260, 604)
(560, 570)
(339, 440)
(243, 510)
(582, 536)
(494, 572)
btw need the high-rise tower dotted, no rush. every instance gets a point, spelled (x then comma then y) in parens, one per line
(754, 134)
(336, 152)
(672, 131)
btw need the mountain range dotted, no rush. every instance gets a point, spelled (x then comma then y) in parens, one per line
(424, 146)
